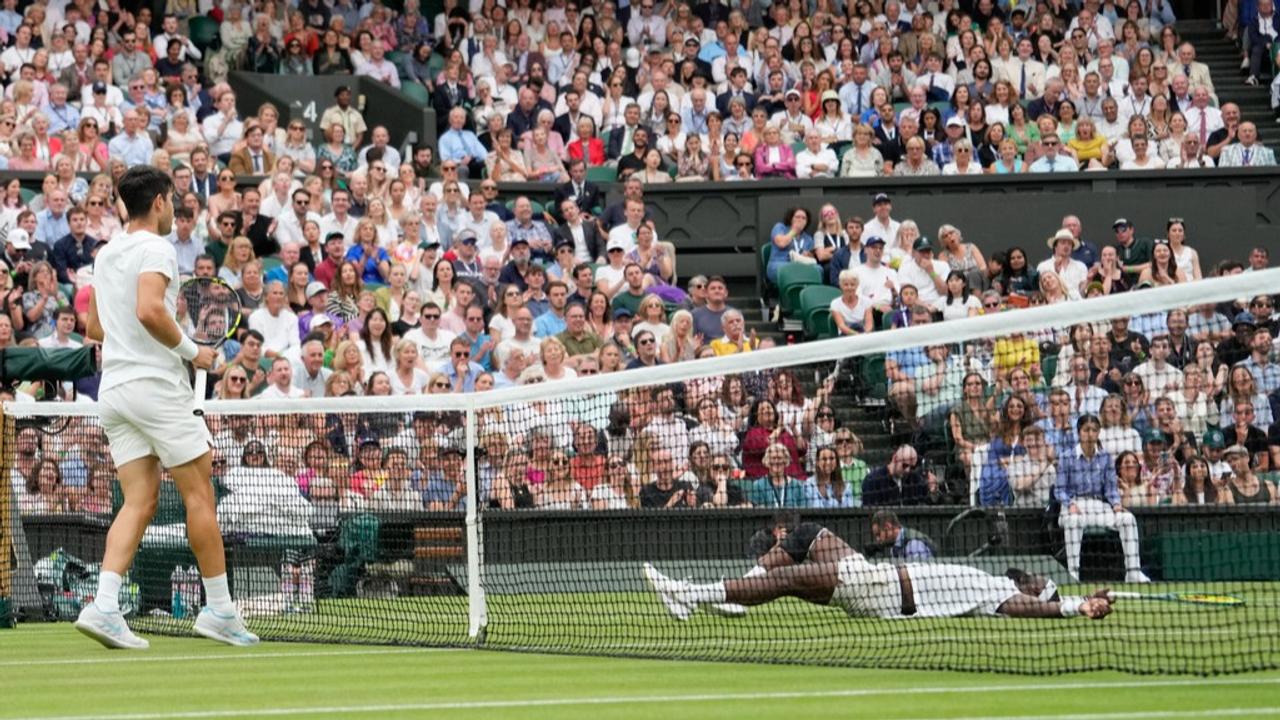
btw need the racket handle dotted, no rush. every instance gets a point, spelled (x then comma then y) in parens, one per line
(201, 386)
(1114, 595)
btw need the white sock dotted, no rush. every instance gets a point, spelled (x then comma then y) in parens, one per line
(108, 597)
(710, 593)
(756, 571)
(218, 595)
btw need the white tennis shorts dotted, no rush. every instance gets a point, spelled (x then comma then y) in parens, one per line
(150, 416)
(868, 589)
(944, 590)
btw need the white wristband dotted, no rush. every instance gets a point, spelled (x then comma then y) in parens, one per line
(1070, 606)
(186, 349)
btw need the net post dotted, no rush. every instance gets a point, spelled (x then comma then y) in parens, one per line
(7, 515)
(476, 609)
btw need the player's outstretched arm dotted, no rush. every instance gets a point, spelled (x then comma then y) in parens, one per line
(1094, 607)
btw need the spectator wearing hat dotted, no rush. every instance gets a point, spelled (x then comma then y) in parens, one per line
(927, 274)
(1134, 252)
(317, 296)
(1243, 486)
(19, 255)
(1072, 272)
(1238, 347)
(791, 121)
(445, 489)
(342, 113)
(1215, 445)
(878, 283)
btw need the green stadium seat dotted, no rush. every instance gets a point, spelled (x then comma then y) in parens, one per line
(203, 32)
(815, 302)
(874, 377)
(602, 174)
(818, 324)
(416, 92)
(1048, 368)
(792, 278)
(27, 195)
(270, 263)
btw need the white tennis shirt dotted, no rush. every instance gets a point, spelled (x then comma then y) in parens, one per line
(128, 351)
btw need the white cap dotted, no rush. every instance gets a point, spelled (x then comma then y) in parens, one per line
(615, 244)
(19, 238)
(320, 319)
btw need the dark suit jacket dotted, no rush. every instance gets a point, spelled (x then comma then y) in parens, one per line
(880, 489)
(441, 103)
(241, 163)
(589, 234)
(890, 150)
(1039, 107)
(564, 126)
(1256, 38)
(591, 197)
(66, 260)
(722, 102)
(613, 150)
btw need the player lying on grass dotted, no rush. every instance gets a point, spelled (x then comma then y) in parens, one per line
(814, 564)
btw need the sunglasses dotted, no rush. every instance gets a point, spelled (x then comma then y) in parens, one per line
(440, 385)
(646, 341)
(95, 203)
(587, 372)
(448, 168)
(721, 468)
(462, 353)
(991, 305)
(433, 316)
(560, 461)
(237, 379)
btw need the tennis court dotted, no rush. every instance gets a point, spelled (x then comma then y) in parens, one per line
(50, 671)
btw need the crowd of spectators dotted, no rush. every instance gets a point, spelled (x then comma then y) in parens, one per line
(368, 269)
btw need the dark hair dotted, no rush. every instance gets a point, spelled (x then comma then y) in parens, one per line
(384, 341)
(183, 213)
(1087, 418)
(791, 215)
(964, 290)
(140, 186)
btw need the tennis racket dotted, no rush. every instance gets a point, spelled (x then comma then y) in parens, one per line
(1187, 598)
(208, 313)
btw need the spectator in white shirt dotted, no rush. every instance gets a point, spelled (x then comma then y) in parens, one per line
(815, 161)
(1072, 272)
(276, 322)
(280, 382)
(223, 128)
(928, 275)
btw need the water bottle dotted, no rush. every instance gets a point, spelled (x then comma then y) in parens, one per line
(192, 590)
(307, 586)
(177, 586)
(289, 582)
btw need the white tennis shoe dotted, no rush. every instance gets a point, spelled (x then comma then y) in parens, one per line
(727, 609)
(673, 593)
(110, 629)
(224, 629)
(1136, 576)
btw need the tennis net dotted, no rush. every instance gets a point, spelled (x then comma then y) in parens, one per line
(949, 448)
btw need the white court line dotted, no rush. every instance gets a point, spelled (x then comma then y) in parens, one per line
(140, 658)
(730, 697)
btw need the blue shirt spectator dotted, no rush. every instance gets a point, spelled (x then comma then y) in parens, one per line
(370, 272)
(1091, 476)
(474, 369)
(457, 143)
(785, 243)
(548, 324)
(134, 149)
(53, 226)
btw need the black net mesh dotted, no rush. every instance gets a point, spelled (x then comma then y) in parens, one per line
(859, 508)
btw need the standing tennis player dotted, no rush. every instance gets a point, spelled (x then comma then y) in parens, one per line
(147, 411)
